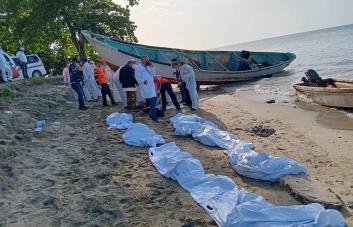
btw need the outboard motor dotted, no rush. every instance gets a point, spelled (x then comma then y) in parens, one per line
(313, 79)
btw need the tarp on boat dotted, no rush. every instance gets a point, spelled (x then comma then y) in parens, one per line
(141, 135)
(119, 120)
(229, 205)
(241, 155)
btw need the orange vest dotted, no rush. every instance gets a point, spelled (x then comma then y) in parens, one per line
(99, 75)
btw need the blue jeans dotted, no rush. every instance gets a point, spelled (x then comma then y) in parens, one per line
(153, 103)
(76, 86)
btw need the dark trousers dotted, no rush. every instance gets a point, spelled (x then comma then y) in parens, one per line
(182, 88)
(105, 89)
(153, 107)
(131, 100)
(167, 87)
(24, 69)
(77, 87)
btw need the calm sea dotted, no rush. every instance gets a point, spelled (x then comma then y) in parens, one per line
(328, 51)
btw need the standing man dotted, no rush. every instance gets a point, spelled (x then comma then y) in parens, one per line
(89, 84)
(93, 67)
(185, 97)
(76, 79)
(165, 86)
(187, 74)
(146, 85)
(118, 88)
(102, 81)
(128, 82)
(23, 61)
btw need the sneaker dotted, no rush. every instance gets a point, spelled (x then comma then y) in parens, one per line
(114, 104)
(155, 120)
(95, 100)
(193, 109)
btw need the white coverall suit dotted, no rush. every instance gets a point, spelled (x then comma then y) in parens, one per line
(89, 85)
(187, 74)
(118, 87)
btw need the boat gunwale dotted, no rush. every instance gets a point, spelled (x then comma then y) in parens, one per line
(291, 58)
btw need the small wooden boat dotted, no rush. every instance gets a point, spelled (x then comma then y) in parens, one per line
(342, 96)
(211, 67)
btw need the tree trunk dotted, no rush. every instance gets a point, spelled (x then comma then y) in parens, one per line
(78, 41)
(82, 51)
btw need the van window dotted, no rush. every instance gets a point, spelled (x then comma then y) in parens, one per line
(32, 59)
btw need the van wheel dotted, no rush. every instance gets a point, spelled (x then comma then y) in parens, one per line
(36, 73)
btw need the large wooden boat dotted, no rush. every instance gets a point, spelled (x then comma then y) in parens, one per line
(211, 67)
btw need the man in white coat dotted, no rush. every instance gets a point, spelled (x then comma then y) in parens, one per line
(144, 78)
(89, 84)
(187, 74)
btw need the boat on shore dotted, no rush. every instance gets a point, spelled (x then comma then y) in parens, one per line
(342, 96)
(211, 67)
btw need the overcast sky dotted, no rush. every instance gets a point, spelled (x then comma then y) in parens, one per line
(206, 24)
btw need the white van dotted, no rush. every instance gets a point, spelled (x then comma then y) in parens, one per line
(12, 64)
(35, 67)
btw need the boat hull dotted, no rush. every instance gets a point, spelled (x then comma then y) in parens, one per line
(331, 97)
(204, 77)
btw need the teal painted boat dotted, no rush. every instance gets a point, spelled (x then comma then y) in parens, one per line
(211, 67)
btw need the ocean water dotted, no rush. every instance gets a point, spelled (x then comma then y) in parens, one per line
(328, 51)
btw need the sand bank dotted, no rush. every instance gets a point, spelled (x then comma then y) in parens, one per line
(77, 172)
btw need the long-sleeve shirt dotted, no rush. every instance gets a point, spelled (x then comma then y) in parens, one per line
(100, 76)
(21, 56)
(75, 74)
(127, 77)
(143, 74)
(87, 72)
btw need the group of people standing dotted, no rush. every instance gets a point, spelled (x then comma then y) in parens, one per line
(85, 79)
(137, 85)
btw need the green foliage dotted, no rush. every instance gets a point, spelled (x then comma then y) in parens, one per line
(52, 29)
(5, 92)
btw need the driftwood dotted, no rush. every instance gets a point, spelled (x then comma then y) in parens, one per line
(310, 190)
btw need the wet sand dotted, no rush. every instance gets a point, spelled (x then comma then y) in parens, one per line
(79, 173)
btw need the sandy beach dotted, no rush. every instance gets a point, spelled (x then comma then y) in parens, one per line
(77, 172)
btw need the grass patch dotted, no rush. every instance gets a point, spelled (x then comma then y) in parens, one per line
(5, 92)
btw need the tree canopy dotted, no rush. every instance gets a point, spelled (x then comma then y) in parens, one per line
(52, 29)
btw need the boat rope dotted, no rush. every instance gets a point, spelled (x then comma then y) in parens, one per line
(165, 57)
(216, 60)
(189, 58)
(138, 54)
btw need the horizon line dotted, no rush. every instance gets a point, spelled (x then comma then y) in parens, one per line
(290, 34)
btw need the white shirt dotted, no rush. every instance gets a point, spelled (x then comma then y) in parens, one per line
(143, 74)
(21, 56)
(87, 71)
